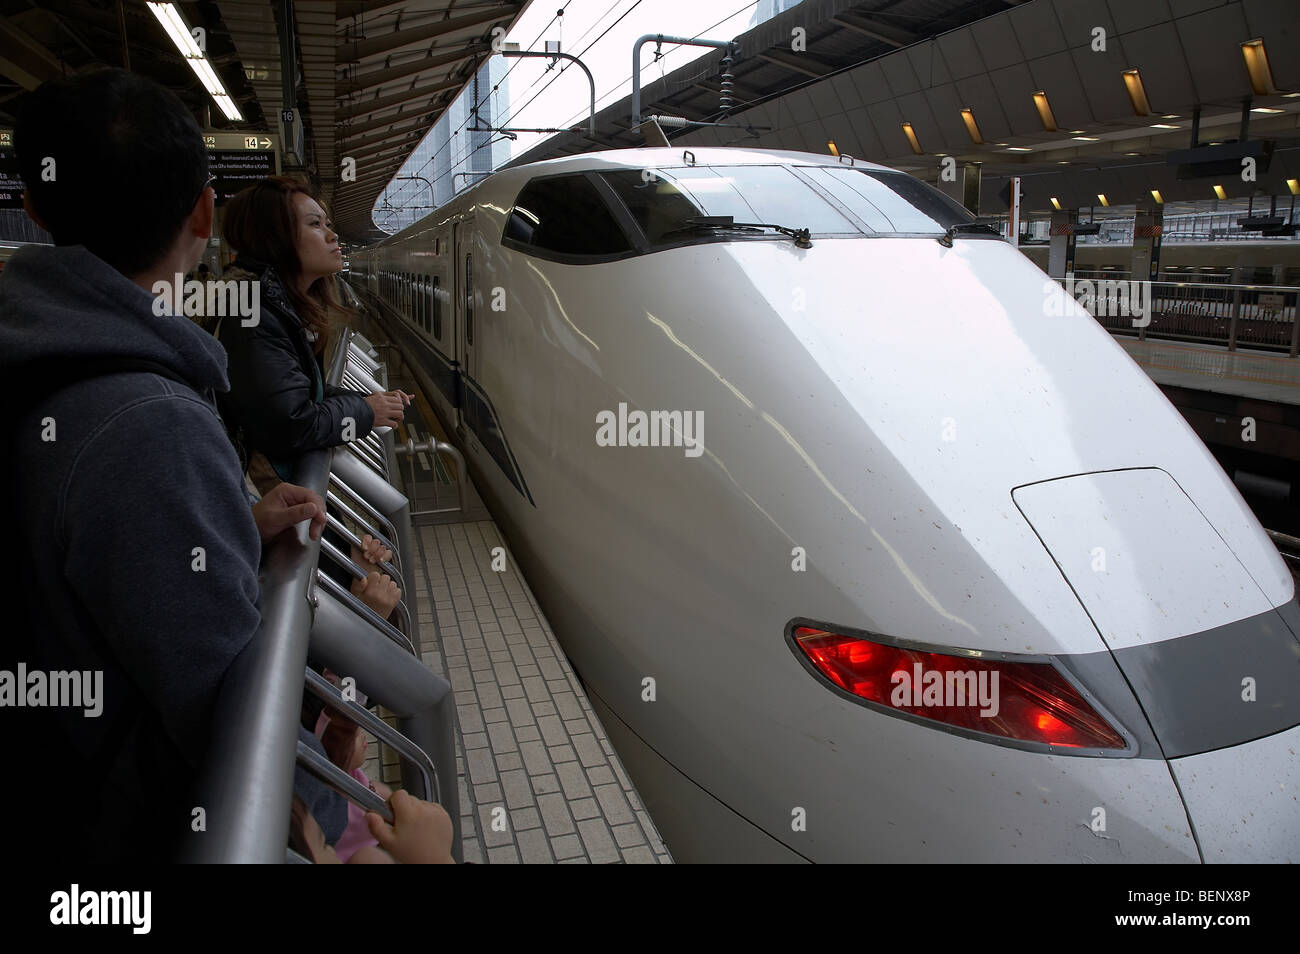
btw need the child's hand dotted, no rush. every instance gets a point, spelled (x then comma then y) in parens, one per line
(374, 552)
(420, 833)
(379, 592)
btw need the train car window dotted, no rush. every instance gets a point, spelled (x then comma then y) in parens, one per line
(889, 201)
(436, 299)
(424, 303)
(564, 215)
(469, 301)
(771, 194)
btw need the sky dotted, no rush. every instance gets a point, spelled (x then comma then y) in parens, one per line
(601, 32)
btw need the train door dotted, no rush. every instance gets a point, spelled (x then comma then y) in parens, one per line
(463, 307)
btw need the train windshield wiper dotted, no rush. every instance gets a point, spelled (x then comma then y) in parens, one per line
(727, 223)
(976, 227)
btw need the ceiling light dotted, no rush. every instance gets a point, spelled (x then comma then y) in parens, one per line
(1261, 77)
(1103, 200)
(1086, 139)
(912, 141)
(1164, 126)
(1137, 93)
(1155, 194)
(1294, 186)
(174, 24)
(1056, 203)
(1218, 191)
(1267, 109)
(830, 144)
(1132, 153)
(1290, 95)
(1044, 111)
(1076, 132)
(972, 128)
(1170, 116)
(1019, 149)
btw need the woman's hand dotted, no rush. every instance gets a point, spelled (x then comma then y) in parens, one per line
(387, 406)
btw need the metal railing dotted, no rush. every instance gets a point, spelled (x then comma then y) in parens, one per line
(311, 622)
(1253, 316)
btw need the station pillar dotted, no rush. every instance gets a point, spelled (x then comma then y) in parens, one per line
(1148, 224)
(1060, 248)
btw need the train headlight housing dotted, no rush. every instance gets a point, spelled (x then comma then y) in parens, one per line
(1004, 700)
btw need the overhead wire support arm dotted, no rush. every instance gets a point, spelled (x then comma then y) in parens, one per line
(731, 47)
(554, 55)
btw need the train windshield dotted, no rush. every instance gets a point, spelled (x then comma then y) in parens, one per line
(890, 202)
(663, 201)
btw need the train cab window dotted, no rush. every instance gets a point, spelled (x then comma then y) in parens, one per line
(889, 201)
(664, 204)
(436, 302)
(563, 216)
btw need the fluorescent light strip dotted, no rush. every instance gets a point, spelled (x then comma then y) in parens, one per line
(175, 27)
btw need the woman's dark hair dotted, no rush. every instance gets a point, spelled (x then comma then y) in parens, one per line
(262, 224)
(112, 161)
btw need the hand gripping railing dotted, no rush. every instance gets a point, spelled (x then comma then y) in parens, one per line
(246, 781)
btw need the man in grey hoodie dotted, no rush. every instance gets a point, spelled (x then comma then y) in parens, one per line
(143, 547)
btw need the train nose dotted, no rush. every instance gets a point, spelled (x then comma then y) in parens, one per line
(1215, 667)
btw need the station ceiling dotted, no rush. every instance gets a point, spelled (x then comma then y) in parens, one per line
(375, 75)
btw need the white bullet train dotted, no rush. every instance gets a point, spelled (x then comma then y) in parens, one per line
(864, 547)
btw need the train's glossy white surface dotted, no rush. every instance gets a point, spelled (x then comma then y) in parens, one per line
(900, 440)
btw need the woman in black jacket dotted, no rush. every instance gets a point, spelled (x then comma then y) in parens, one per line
(278, 401)
(279, 405)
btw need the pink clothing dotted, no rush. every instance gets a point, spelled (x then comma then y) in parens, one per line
(357, 835)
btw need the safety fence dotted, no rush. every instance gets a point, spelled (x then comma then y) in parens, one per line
(311, 622)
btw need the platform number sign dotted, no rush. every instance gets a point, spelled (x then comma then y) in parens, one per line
(286, 115)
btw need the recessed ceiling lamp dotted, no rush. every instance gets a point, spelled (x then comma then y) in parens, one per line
(179, 31)
(1261, 77)
(1267, 109)
(1044, 108)
(1086, 139)
(912, 141)
(972, 128)
(1019, 149)
(1163, 126)
(1137, 93)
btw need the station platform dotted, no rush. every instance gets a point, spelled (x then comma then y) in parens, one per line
(539, 780)
(1244, 373)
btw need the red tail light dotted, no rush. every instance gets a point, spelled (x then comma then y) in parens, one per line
(1029, 702)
